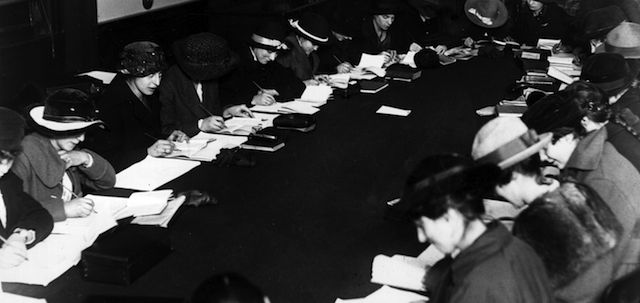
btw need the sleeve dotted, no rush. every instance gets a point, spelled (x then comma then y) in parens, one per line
(100, 175)
(54, 205)
(485, 290)
(32, 215)
(168, 110)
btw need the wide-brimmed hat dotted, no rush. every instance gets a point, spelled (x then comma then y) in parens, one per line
(270, 36)
(384, 7)
(204, 56)
(313, 27)
(141, 58)
(486, 13)
(624, 40)
(552, 112)
(598, 22)
(11, 129)
(610, 72)
(65, 112)
(505, 141)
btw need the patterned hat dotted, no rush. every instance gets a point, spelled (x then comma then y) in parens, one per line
(142, 58)
(486, 13)
(204, 56)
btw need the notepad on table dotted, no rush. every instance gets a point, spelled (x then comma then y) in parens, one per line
(162, 219)
(148, 203)
(217, 142)
(388, 110)
(399, 271)
(367, 60)
(317, 94)
(151, 173)
(372, 86)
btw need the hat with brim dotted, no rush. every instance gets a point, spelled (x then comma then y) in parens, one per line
(608, 71)
(65, 112)
(486, 13)
(506, 141)
(624, 40)
(270, 36)
(204, 56)
(553, 112)
(384, 7)
(313, 27)
(597, 23)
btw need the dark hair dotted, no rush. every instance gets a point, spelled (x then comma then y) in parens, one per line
(227, 288)
(590, 99)
(528, 167)
(442, 182)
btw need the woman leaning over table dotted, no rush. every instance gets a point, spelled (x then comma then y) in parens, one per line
(53, 170)
(483, 262)
(23, 221)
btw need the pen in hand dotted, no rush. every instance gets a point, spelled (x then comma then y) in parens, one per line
(76, 196)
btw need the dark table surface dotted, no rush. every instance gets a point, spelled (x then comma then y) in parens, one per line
(305, 223)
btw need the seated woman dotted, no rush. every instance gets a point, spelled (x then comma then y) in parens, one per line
(23, 221)
(257, 68)
(378, 36)
(540, 19)
(131, 110)
(53, 170)
(310, 32)
(484, 262)
(189, 93)
(228, 288)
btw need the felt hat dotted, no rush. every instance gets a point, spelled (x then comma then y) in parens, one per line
(269, 36)
(426, 58)
(505, 141)
(141, 58)
(624, 40)
(313, 27)
(11, 129)
(204, 56)
(65, 112)
(486, 13)
(552, 112)
(598, 22)
(384, 7)
(610, 72)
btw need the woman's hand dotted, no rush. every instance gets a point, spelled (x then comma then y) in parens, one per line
(161, 148)
(238, 111)
(75, 158)
(78, 208)
(14, 252)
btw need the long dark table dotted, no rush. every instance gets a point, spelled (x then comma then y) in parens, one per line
(305, 223)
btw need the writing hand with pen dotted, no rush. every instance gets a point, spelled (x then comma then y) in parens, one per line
(75, 158)
(265, 97)
(14, 250)
(344, 67)
(163, 148)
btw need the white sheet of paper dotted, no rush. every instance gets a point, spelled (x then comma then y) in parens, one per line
(388, 294)
(299, 107)
(388, 110)
(13, 298)
(151, 173)
(105, 77)
(399, 271)
(316, 94)
(367, 60)
(547, 43)
(148, 203)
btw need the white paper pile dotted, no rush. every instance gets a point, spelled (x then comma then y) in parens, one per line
(151, 173)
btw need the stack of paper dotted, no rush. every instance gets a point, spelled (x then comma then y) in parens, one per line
(151, 173)
(217, 142)
(388, 110)
(317, 94)
(162, 219)
(295, 106)
(399, 271)
(339, 80)
(148, 203)
(548, 44)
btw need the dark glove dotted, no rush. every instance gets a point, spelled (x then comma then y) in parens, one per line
(197, 198)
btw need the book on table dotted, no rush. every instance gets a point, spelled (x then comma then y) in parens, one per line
(511, 108)
(263, 144)
(372, 86)
(403, 72)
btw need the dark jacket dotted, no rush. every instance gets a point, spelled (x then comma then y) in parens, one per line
(575, 233)
(303, 66)
(367, 40)
(551, 23)
(238, 87)
(497, 267)
(41, 170)
(130, 125)
(180, 107)
(22, 210)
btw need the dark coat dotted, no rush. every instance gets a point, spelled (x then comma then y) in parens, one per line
(575, 233)
(367, 40)
(41, 170)
(303, 66)
(22, 210)
(238, 87)
(496, 268)
(551, 23)
(130, 123)
(180, 107)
